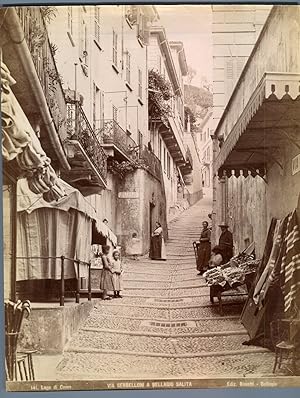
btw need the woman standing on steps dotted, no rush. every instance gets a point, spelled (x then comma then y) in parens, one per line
(106, 278)
(157, 244)
(204, 249)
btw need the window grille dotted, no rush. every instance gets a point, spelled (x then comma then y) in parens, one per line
(128, 71)
(70, 19)
(115, 49)
(115, 113)
(140, 84)
(97, 23)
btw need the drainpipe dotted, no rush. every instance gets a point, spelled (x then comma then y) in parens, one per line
(215, 183)
(16, 35)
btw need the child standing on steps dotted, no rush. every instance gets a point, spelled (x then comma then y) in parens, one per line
(117, 273)
(106, 279)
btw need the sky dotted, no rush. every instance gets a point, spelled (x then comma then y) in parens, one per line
(191, 24)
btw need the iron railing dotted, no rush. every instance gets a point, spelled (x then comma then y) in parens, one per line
(79, 128)
(42, 52)
(109, 131)
(63, 260)
(152, 162)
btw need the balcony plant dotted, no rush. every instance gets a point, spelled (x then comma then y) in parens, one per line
(121, 169)
(160, 94)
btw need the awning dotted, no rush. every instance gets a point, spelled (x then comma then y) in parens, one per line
(27, 201)
(20, 142)
(271, 115)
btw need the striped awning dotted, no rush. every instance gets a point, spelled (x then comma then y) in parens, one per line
(20, 143)
(274, 88)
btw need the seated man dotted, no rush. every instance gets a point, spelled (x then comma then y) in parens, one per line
(216, 257)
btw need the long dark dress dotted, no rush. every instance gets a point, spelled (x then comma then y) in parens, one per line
(204, 250)
(226, 244)
(157, 245)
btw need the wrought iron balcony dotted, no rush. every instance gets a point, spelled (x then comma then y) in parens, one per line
(152, 162)
(112, 136)
(36, 36)
(79, 130)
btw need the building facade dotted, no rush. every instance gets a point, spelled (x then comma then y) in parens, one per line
(257, 163)
(167, 67)
(235, 32)
(206, 150)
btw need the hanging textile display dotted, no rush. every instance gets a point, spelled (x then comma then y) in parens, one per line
(20, 143)
(276, 293)
(52, 233)
(290, 270)
(60, 228)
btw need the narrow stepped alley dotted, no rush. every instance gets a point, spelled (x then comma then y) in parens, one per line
(165, 325)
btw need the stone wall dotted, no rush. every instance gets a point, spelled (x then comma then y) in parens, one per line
(136, 192)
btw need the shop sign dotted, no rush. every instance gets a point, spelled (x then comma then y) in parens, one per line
(128, 195)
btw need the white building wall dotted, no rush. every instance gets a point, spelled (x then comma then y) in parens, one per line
(74, 30)
(234, 30)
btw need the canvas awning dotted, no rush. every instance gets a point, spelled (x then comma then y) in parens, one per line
(253, 132)
(28, 202)
(20, 143)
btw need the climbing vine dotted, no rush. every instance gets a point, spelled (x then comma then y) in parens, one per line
(160, 94)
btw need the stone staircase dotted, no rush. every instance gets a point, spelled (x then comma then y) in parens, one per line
(165, 326)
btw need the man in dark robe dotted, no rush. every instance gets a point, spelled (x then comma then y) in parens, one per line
(226, 242)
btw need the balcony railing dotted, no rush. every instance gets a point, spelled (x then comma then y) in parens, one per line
(79, 129)
(37, 39)
(110, 132)
(152, 162)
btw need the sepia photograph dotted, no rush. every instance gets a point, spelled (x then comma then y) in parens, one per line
(151, 196)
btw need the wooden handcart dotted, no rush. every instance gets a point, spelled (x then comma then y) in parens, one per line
(216, 291)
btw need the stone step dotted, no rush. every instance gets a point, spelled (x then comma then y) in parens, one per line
(162, 285)
(91, 341)
(150, 309)
(127, 324)
(123, 365)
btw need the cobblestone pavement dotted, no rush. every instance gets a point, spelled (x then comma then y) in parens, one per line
(165, 326)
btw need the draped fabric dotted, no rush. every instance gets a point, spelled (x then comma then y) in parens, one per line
(20, 142)
(52, 233)
(290, 270)
(15, 136)
(275, 256)
(277, 289)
